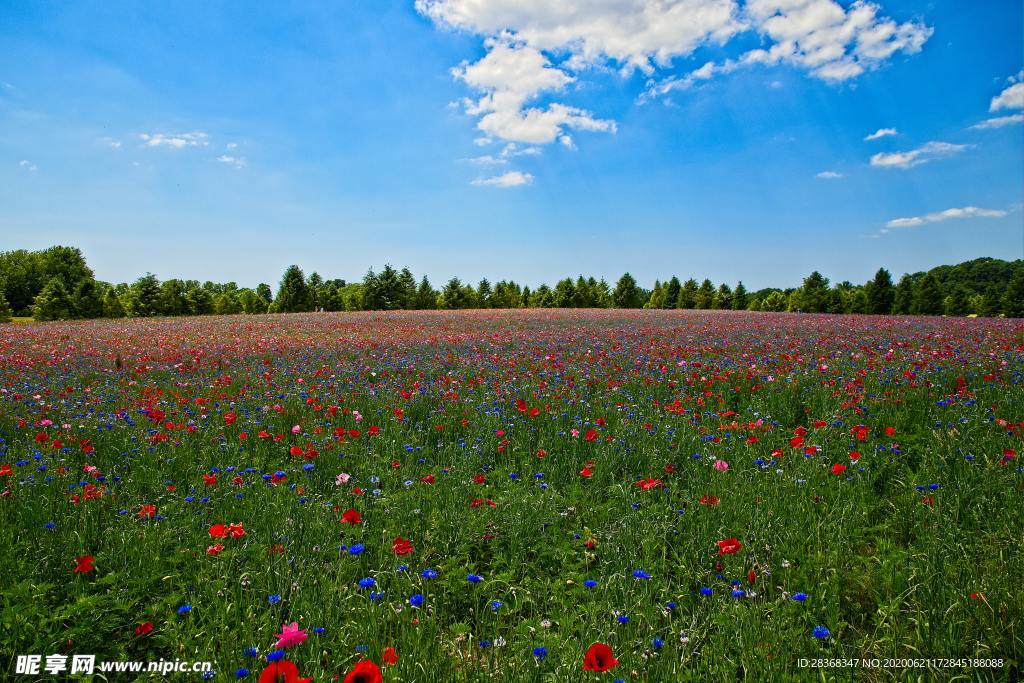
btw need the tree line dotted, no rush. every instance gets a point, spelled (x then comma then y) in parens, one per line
(57, 284)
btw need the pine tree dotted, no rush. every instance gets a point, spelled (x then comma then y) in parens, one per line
(928, 297)
(6, 314)
(407, 284)
(483, 293)
(199, 301)
(426, 297)
(705, 296)
(264, 292)
(1013, 299)
(880, 293)
(314, 283)
(672, 292)
(626, 293)
(87, 300)
(723, 297)
(293, 293)
(739, 297)
(812, 295)
(54, 302)
(658, 296)
(687, 294)
(112, 306)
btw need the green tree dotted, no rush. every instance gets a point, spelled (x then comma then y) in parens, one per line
(454, 296)
(705, 296)
(5, 309)
(483, 293)
(776, 301)
(314, 283)
(658, 297)
(385, 291)
(723, 297)
(812, 297)
(199, 300)
(1013, 299)
(672, 290)
(264, 292)
(957, 303)
(426, 296)
(626, 293)
(227, 303)
(688, 294)
(903, 297)
(87, 299)
(739, 297)
(54, 302)
(928, 297)
(172, 298)
(112, 306)
(293, 292)
(144, 296)
(880, 293)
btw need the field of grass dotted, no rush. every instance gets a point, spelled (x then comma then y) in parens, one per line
(712, 495)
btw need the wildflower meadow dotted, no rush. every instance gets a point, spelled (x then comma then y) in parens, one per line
(516, 495)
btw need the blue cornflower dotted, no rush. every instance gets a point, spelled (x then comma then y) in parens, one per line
(590, 583)
(641, 574)
(376, 596)
(474, 578)
(275, 656)
(368, 582)
(273, 599)
(50, 525)
(540, 653)
(657, 643)
(623, 619)
(356, 549)
(705, 590)
(250, 652)
(416, 600)
(799, 597)
(185, 608)
(429, 574)
(242, 673)
(738, 593)
(820, 632)
(319, 629)
(496, 605)
(670, 605)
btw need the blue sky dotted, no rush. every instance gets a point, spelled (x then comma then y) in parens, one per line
(514, 138)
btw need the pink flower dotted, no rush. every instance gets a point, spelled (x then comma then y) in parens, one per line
(575, 433)
(721, 465)
(342, 478)
(296, 429)
(290, 635)
(356, 414)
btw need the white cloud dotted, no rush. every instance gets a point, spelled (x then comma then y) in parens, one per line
(831, 42)
(939, 216)
(28, 165)
(111, 142)
(829, 175)
(999, 121)
(237, 162)
(1012, 97)
(509, 179)
(486, 160)
(176, 141)
(915, 157)
(880, 133)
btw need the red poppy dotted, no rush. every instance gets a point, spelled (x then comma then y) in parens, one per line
(751, 577)
(854, 455)
(708, 500)
(83, 564)
(214, 549)
(282, 671)
(599, 657)
(351, 516)
(401, 546)
(144, 628)
(649, 483)
(374, 430)
(586, 472)
(209, 479)
(838, 468)
(365, 671)
(796, 442)
(229, 418)
(429, 479)
(236, 530)
(728, 546)
(591, 435)
(219, 531)
(390, 656)
(148, 511)
(890, 431)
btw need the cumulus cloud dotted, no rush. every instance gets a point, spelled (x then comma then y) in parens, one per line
(823, 37)
(939, 216)
(1012, 97)
(509, 179)
(915, 157)
(829, 175)
(176, 141)
(28, 165)
(880, 133)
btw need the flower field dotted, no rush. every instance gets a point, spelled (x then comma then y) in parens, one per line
(516, 495)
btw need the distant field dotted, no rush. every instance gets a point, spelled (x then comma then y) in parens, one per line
(712, 495)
